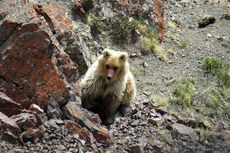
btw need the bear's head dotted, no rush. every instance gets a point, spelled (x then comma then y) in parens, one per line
(113, 65)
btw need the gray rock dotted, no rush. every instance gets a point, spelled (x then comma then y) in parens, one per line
(137, 148)
(8, 106)
(9, 130)
(60, 147)
(184, 130)
(25, 120)
(53, 110)
(135, 123)
(80, 50)
(156, 121)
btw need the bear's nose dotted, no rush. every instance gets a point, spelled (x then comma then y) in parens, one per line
(109, 78)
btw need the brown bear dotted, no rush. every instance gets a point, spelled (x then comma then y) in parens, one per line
(108, 84)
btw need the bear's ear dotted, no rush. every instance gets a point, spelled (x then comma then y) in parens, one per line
(124, 56)
(105, 53)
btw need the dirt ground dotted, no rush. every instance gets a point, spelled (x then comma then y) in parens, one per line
(158, 77)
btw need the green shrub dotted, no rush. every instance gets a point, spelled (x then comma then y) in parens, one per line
(96, 23)
(218, 68)
(122, 29)
(183, 91)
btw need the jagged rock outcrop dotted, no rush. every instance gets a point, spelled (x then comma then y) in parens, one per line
(36, 70)
(34, 67)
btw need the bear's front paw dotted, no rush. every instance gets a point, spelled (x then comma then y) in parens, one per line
(124, 110)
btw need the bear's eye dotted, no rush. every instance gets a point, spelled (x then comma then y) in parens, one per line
(115, 68)
(107, 66)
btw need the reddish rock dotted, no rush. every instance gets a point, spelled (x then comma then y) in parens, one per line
(8, 106)
(101, 135)
(73, 112)
(83, 132)
(31, 134)
(33, 65)
(25, 120)
(58, 20)
(9, 130)
(94, 118)
(84, 117)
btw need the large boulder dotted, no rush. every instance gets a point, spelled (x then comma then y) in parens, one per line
(35, 71)
(33, 66)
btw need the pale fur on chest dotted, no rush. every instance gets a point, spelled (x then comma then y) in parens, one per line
(96, 86)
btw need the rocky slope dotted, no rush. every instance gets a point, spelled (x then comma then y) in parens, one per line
(179, 108)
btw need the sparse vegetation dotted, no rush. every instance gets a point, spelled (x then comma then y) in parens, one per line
(215, 99)
(183, 91)
(218, 68)
(135, 71)
(219, 97)
(182, 43)
(164, 134)
(96, 22)
(122, 29)
(227, 110)
(208, 111)
(209, 136)
(150, 43)
(157, 100)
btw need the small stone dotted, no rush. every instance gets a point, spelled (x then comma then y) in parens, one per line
(162, 110)
(36, 108)
(156, 121)
(207, 124)
(170, 62)
(31, 134)
(94, 147)
(102, 135)
(169, 118)
(53, 110)
(225, 16)
(59, 122)
(134, 123)
(206, 20)
(137, 148)
(133, 55)
(145, 64)
(209, 35)
(82, 132)
(220, 38)
(169, 81)
(60, 147)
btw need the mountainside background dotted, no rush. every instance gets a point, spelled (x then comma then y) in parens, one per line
(179, 53)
